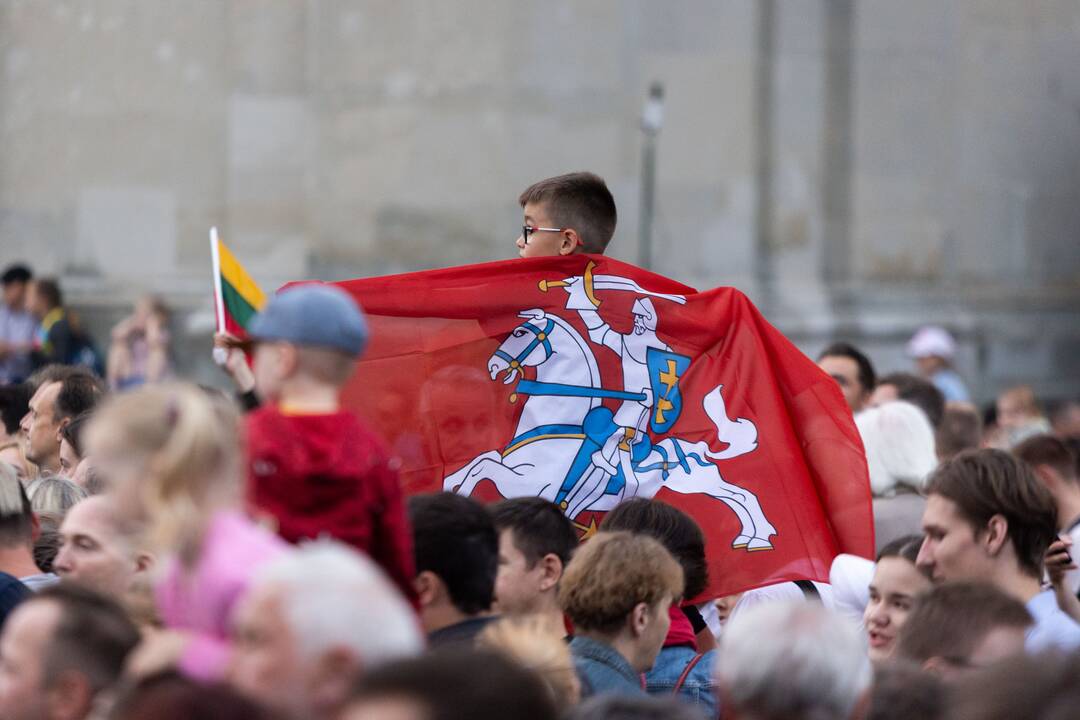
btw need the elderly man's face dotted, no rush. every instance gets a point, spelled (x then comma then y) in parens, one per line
(266, 663)
(93, 552)
(23, 645)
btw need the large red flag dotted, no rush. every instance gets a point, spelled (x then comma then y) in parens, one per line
(586, 380)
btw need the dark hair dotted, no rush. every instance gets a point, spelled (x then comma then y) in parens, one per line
(920, 392)
(79, 393)
(93, 635)
(950, 620)
(49, 290)
(580, 201)
(53, 372)
(454, 538)
(14, 404)
(540, 528)
(72, 432)
(903, 690)
(626, 707)
(17, 273)
(960, 429)
(867, 377)
(171, 696)
(1048, 450)
(906, 547)
(988, 482)
(676, 531)
(461, 683)
(16, 513)
(1039, 687)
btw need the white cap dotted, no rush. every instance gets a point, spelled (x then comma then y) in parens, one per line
(932, 341)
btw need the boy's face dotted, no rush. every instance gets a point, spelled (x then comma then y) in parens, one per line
(270, 367)
(543, 243)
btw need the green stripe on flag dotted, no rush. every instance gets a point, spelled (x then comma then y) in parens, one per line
(235, 304)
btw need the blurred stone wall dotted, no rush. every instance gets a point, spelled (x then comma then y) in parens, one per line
(922, 158)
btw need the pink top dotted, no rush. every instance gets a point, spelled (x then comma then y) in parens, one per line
(202, 601)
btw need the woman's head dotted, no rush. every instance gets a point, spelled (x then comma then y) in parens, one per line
(54, 494)
(895, 585)
(899, 443)
(168, 453)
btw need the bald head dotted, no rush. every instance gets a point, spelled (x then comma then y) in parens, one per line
(97, 550)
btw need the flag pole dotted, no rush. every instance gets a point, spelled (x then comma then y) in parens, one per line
(220, 354)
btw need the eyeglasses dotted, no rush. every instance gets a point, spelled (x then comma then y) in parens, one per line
(526, 231)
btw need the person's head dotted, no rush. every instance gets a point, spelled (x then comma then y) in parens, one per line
(99, 550)
(311, 622)
(899, 444)
(531, 644)
(932, 348)
(451, 684)
(458, 409)
(44, 295)
(290, 349)
(1016, 407)
(904, 691)
(958, 626)
(676, 531)
(618, 589)
(14, 404)
(792, 661)
(896, 583)
(55, 495)
(171, 696)
(457, 555)
(18, 525)
(961, 429)
(642, 707)
(53, 372)
(1065, 419)
(41, 428)
(59, 649)
(567, 214)
(167, 452)
(1054, 464)
(71, 447)
(918, 391)
(987, 518)
(47, 543)
(536, 541)
(851, 370)
(1041, 687)
(14, 281)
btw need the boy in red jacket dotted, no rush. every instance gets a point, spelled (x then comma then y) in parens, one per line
(315, 468)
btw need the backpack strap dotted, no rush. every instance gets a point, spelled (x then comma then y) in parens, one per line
(809, 590)
(686, 673)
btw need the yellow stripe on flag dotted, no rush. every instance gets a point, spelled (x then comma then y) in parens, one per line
(234, 274)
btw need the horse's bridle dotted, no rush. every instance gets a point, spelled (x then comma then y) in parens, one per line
(541, 337)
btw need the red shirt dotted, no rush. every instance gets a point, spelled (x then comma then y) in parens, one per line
(330, 475)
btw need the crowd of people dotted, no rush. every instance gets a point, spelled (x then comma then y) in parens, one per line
(169, 550)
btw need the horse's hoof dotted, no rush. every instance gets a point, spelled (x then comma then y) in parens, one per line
(741, 542)
(757, 544)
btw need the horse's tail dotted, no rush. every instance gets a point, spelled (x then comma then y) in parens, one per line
(739, 434)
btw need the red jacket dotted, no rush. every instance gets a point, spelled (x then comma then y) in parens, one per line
(330, 475)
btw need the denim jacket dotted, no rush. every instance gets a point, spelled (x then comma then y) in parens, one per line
(602, 670)
(698, 688)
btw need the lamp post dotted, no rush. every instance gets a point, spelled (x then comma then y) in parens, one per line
(652, 118)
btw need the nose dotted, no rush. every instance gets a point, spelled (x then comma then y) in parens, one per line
(925, 558)
(874, 616)
(24, 424)
(60, 563)
(520, 242)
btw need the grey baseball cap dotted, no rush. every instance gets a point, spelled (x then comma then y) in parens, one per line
(313, 315)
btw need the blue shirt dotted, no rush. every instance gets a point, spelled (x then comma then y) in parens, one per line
(950, 385)
(16, 327)
(698, 688)
(602, 670)
(1053, 629)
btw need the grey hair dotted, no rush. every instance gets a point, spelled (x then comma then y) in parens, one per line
(334, 597)
(793, 661)
(899, 443)
(54, 494)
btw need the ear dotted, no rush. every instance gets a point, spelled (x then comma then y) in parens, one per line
(551, 571)
(1048, 477)
(290, 358)
(639, 619)
(332, 678)
(997, 532)
(143, 562)
(571, 241)
(70, 696)
(60, 429)
(429, 588)
(35, 527)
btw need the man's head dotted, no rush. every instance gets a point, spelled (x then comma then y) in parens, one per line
(851, 370)
(290, 347)
(963, 625)
(14, 404)
(59, 649)
(1054, 464)
(567, 214)
(14, 282)
(457, 555)
(98, 550)
(1016, 407)
(536, 541)
(921, 393)
(44, 295)
(792, 661)
(987, 519)
(312, 621)
(618, 589)
(1039, 687)
(676, 531)
(18, 525)
(52, 407)
(961, 429)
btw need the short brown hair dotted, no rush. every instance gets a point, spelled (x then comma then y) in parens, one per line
(950, 620)
(988, 482)
(1048, 450)
(960, 429)
(1040, 687)
(578, 200)
(611, 574)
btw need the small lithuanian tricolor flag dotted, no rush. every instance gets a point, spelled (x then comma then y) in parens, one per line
(236, 296)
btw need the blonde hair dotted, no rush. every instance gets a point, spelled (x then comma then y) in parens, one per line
(530, 642)
(54, 494)
(187, 445)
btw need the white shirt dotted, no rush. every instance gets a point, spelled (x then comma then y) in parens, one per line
(1053, 629)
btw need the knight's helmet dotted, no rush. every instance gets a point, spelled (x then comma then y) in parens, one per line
(644, 308)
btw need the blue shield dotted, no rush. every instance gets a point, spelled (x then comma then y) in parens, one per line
(665, 370)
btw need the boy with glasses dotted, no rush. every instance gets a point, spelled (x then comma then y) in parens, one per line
(565, 215)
